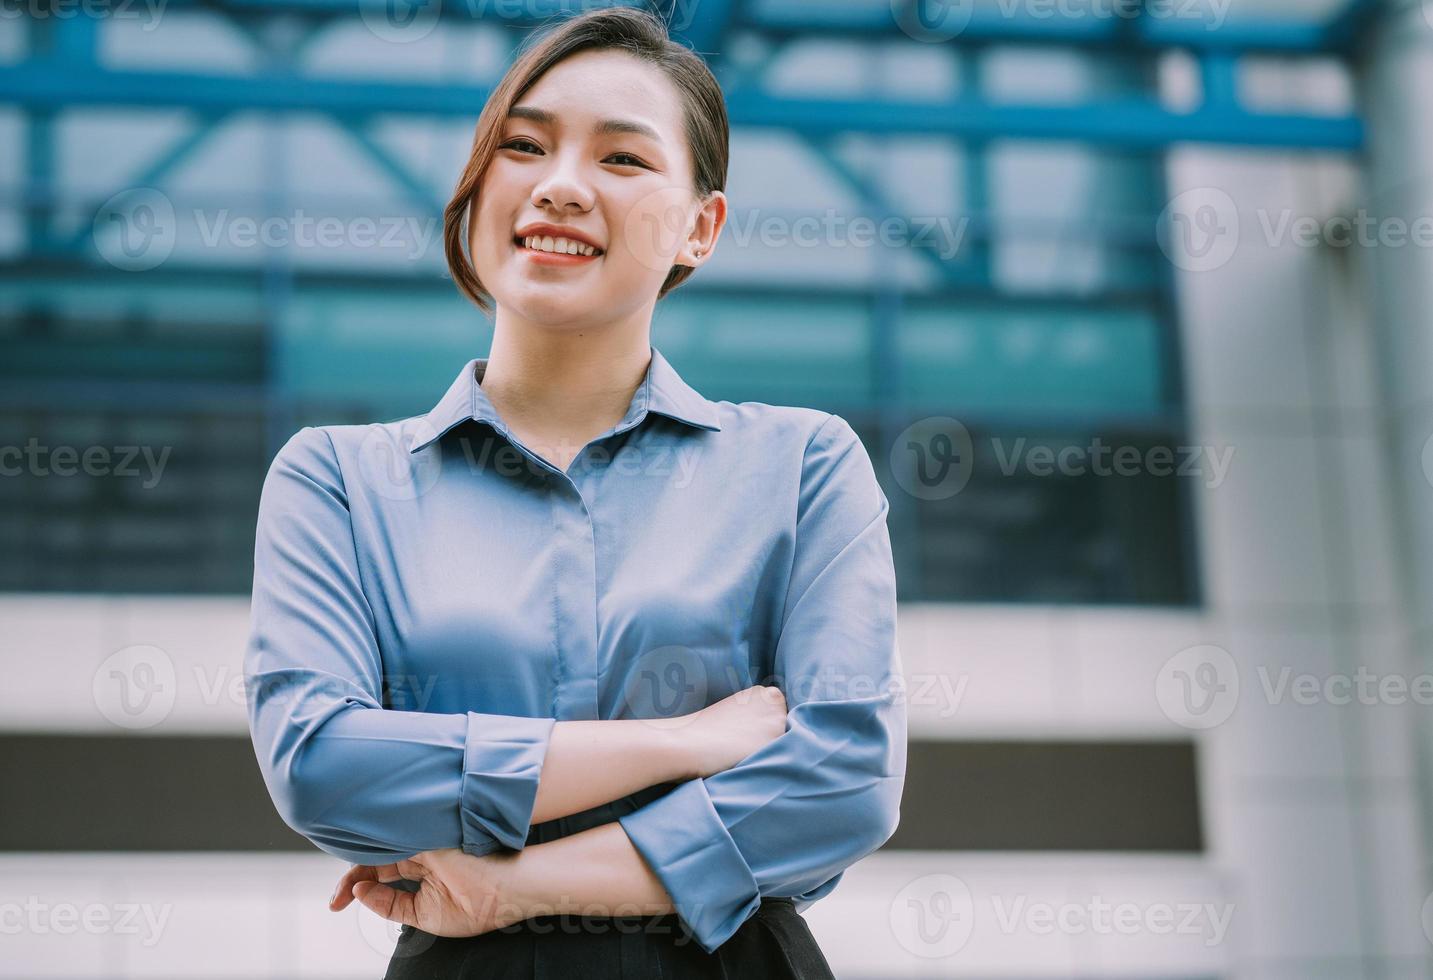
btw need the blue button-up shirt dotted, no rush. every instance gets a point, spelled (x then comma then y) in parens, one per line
(430, 596)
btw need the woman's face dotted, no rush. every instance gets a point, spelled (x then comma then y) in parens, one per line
(598, 148)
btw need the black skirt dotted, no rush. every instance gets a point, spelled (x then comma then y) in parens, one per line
(774, 942)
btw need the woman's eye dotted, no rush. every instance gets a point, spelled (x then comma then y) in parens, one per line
(635, 162)
(512, 143)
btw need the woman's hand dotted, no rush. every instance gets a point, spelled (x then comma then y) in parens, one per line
(722, 734)
(458, 894)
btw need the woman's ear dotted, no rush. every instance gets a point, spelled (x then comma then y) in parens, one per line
(705, 230)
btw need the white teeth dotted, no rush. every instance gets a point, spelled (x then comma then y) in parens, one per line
(546, 243)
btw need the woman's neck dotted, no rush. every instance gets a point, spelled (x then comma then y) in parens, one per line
(563, 390)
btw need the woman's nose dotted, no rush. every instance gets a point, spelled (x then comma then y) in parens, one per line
(563, 186)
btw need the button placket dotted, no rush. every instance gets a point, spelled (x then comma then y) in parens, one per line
(575, 601)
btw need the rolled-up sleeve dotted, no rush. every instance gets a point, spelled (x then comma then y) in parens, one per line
(791, 817)
(363, 782)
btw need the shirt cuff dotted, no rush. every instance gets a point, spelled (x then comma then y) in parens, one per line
(502, 760)
(687, 846)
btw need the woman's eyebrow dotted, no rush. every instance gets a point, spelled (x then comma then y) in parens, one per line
(605, 127)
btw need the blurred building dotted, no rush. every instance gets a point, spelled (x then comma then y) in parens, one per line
(1128, 301)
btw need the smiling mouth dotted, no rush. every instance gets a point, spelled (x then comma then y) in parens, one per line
(583, 251)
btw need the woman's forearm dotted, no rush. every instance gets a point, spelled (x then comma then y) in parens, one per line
(589, 763)
(595, 872)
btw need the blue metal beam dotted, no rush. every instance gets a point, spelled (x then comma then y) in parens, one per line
(1127, 123)
(54, 275)
(879, 19)
(156, 171)
(416, 189)
(873, 198)
(964, 23)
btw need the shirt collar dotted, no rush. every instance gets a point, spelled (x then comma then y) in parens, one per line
(662, 390)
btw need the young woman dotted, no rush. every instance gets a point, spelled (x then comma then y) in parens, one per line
(586, 674)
